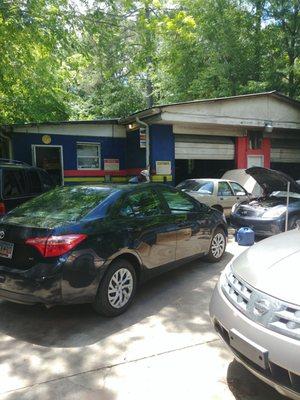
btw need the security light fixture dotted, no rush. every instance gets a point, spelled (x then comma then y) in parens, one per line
(268, 127)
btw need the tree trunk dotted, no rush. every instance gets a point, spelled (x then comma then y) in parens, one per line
(259, 6)
(149, 61)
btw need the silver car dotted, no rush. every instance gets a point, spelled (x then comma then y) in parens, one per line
(216, 193)
(255, 308)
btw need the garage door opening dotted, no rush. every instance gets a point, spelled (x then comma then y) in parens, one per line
(292, 169)
(203, 156)
(50, 159)
(187, 169)
(285, 157)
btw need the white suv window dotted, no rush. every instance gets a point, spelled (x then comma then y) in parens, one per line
(238, 189)
(224, 189)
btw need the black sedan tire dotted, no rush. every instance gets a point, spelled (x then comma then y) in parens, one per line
(116, 290)
(217, 246)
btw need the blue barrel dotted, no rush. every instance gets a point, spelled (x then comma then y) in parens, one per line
(245, 236)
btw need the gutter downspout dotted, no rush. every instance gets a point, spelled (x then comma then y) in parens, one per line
(8, 139)
(147, 142)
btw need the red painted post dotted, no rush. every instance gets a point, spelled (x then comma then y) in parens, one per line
(242, 151)
(241, 146)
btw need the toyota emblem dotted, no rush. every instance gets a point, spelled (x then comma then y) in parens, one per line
(2, 234)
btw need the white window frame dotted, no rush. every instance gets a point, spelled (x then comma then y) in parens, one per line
(99, 156)
(252, 157)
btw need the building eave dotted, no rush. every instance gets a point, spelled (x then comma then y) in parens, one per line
(148, 112)
(82, 122)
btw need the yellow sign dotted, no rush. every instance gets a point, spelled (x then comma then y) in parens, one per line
(46, 139)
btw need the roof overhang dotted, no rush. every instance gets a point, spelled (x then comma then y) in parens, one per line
(245, 111)
(169, 117)
(148, 114)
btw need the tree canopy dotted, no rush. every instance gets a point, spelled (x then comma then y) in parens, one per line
(85, 59)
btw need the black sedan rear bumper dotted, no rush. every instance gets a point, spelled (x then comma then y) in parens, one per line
(70, 279)
(21, 298)
(23, 287)
(261, 227)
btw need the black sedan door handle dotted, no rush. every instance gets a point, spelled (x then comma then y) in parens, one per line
(131, 229)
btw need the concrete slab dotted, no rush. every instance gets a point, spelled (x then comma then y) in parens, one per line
(163, 346)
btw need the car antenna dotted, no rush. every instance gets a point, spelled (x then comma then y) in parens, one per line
(287, 206)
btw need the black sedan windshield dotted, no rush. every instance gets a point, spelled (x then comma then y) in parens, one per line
(59, 206)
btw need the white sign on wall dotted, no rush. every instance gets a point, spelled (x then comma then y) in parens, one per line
(111, 164)
(255, 161)
(163, 168)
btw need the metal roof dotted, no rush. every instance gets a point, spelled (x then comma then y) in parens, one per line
(155, 110)
(148, 112)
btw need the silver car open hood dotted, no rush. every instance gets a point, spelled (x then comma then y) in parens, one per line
(272, 266)
(272, 181)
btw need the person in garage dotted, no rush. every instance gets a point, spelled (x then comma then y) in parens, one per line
(142, 177)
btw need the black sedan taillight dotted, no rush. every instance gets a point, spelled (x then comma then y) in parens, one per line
(55, 246)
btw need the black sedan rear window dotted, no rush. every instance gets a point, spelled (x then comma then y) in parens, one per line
(59, 206)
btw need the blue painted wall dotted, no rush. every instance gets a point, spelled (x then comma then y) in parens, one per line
(136, 156)
(127, 150)
(162, 145)
(110, 147)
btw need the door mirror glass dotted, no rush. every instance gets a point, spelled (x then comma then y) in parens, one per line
(224, 189)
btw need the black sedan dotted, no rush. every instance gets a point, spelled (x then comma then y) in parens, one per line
(266, 215)
(91, 244)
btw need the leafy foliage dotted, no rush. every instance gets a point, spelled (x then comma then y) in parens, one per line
(87, 59)
(34, 38)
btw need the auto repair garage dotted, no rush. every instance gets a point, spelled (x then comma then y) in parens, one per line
(202, 138)
(205, 138)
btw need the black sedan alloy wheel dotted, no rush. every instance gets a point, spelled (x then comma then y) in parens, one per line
(217, 246)
(116, 290)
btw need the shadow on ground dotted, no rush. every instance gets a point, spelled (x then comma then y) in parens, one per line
(245, 385)
(79, 325)
(170, 312)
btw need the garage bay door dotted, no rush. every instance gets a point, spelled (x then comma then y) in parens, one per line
(285, 151)
(190, 147)
(285, 156)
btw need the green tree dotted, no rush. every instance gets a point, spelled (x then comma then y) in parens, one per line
(35, 36)
(286, 28)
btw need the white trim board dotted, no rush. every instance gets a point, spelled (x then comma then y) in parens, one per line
(95, 130)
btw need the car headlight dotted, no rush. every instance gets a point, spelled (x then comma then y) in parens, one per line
(274, 212)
